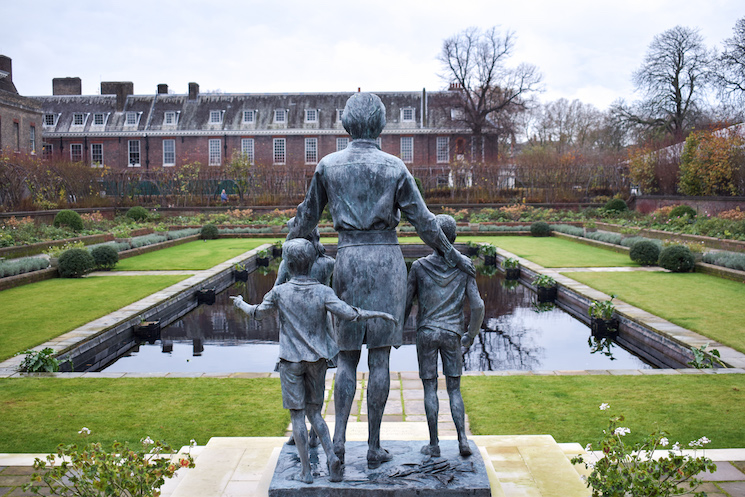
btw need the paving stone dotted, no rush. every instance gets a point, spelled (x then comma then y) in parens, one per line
(725, 472)
(734, 489)
(18, 470)
(739, 465)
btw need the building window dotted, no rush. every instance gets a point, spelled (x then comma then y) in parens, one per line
(456, 114)
(32, 138)
(407, 115)
(78, 119)
(249, 116)
(46, 150)
(98, 119)
(311, 115)
(407, 148)
(215, 116)
(97, 154)
(49, 119)
(169, 152)
(280, 148)
(339, 113)
(379, 141)
(311, 150)
(280, 116)
(134, 153)
(169, 117)
(17, 133)
(247, 149)
(130, 119)
(342, 143)
(443, 149)
(76, 152)
(215, 152)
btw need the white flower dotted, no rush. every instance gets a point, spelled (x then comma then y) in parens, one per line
(147, 441)
(703, 440)
(621, 431)
(192, 443)
(84, 431)
(604, 406)
(694, 443)
(664, 442)
(588, 447)
(676, 446)
(590, 465)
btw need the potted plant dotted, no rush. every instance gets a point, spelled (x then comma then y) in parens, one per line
(511, 268)
(602, 323)
(546, 288)
(489, 252)
(264, 257)
(240, 272)
(472, 249)
(147, 330)
(488, 271)
(277, 249)
(206, 296)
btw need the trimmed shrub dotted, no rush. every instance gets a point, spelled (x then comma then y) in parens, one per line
(629, 242)
(616, 205)
(137, 213)
(209, 232)
(68, 218)
(75, 263)
(732, 260)
(540, 228)
(605, 236)
(105, 257)
(568, 229)
(22, 265)
(645, 252)
(682, 210)
(677, 258)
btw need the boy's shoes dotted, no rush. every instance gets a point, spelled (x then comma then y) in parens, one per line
(377, 457)
(431, 450)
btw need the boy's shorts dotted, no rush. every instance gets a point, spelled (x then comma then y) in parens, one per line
(302, 383)
(429, 341)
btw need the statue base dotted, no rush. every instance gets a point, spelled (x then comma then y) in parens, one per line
(409, 473)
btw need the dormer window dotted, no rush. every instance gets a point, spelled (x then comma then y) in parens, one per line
(311, 115)
(78, 119)
(215, 116)
(50, 119)
(249, 116)
(280, 116)
(407, 115)
(169, 117)
(98, 119)
(339, 112)
(130, 119)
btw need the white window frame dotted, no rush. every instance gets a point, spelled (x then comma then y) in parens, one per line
(311, 150)
(339, 113)
(131, 152)
(95, 154)
(47, 150)
(247, 149)
(216, 116)
(342, 143)
(169, 156)
(131, 119)
(96, 116)
(75, 117)
(407, 149)
(249, 116)
(404, 112)
(215, 151)
(311, 115)
(280, 116)
(443, 149)
(173, 115)
(32, 138)
(76, 152)
(279, 151)
(54, 120)
(379, 141)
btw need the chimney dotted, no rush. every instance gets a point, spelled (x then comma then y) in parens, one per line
(455, 87)
(193, 91)
(67, 86)
(162, 89)
(122, 89)
(6, 74)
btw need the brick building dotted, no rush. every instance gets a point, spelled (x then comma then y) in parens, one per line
(20, 117)
(123, 130)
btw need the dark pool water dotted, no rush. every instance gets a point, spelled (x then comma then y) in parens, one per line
(218, 338)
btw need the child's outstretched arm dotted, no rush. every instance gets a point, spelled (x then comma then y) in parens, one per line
(242, 305)
(375, 314)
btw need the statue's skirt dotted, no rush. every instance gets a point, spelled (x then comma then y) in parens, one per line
(370, 273)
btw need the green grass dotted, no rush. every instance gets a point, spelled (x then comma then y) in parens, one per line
(196, 255)
(555, 252)
(39, 413)
(699, 302)
(686, 406)
(35, 313)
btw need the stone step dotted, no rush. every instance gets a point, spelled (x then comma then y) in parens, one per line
(517, 466)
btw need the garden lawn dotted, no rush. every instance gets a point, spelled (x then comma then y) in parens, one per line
(555, 252)
(566, 407)
(196, 255)
(35, 313)
(702, 303)
(40, 413)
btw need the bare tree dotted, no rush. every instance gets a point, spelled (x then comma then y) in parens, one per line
(730, 69)
(490, 92)
(673, 80)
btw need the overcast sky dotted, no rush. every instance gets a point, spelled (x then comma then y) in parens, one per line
(584, 49)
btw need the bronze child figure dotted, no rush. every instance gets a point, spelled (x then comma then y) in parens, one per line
(304, 347)
(441, 291)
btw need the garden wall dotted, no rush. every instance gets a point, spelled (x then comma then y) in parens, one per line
(646, 204)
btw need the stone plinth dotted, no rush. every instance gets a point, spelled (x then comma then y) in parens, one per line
(409, 473)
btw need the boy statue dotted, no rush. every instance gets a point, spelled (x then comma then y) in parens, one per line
(304, 347)
(441, 291)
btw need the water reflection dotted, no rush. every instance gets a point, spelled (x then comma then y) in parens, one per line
(216, 338)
